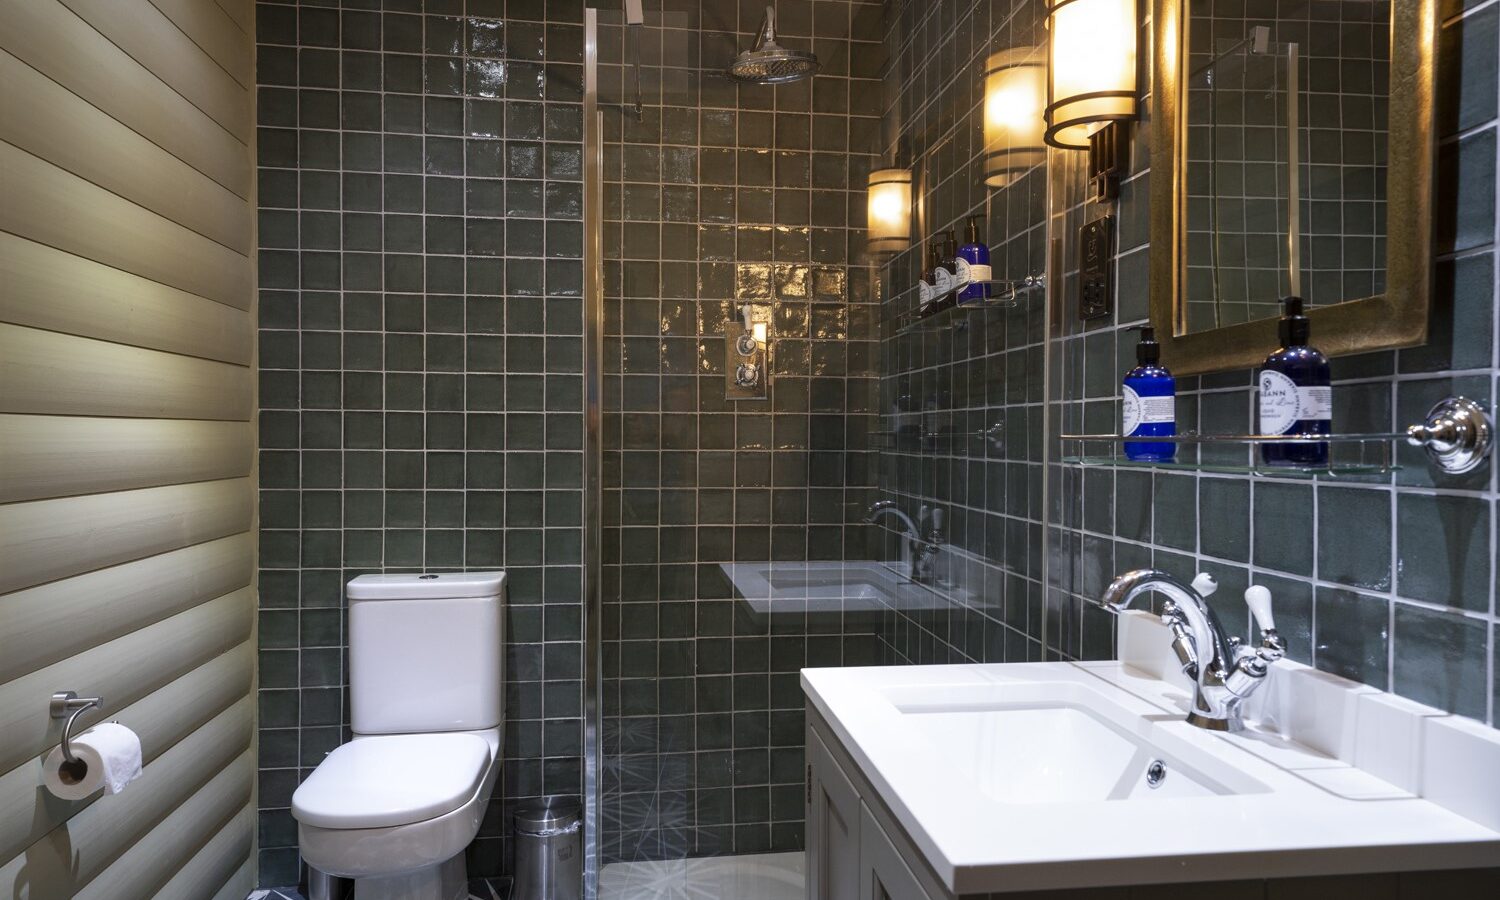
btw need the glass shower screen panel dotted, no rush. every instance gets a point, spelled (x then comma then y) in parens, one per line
(734, 552)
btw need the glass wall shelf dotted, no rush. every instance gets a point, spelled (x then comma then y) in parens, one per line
(1002, 295)
(1457, 435)
(1349, 455)
(914, 439)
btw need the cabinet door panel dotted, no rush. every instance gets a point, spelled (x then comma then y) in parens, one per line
(833, 827)
(883, 874)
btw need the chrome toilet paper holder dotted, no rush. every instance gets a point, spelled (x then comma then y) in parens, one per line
(68, 705)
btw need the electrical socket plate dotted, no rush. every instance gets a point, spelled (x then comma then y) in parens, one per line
(1094, 288)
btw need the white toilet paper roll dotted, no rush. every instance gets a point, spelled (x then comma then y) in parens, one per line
(108, 756)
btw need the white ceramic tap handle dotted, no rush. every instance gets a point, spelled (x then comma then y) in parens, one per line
(1259, 601)
(1205, 584)
(747, 312)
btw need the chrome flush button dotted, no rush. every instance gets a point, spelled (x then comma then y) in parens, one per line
(1156, 773)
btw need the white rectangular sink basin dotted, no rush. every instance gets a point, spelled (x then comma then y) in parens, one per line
(1034, 776)
(848, 581)
(1058, 742)
(856, 586)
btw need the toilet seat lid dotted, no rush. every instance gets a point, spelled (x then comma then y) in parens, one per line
(397, 779)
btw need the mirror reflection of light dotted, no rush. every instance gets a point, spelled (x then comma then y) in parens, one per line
(888, 210)
(1013, 106)
(885, 206)
(1015, 87)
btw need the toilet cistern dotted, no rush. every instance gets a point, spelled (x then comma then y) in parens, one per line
(1224, 672)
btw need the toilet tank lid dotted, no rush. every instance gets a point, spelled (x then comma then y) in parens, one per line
(417, 586)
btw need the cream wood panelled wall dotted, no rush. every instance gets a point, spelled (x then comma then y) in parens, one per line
(127, 435)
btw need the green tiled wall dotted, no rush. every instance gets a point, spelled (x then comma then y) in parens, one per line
(1389, 580)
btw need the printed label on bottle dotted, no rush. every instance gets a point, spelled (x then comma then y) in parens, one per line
(1283, 403)
(1315, 403)
(1137, 411)
(924, 292)
(942, 280)
(980, 272)
(962, 272)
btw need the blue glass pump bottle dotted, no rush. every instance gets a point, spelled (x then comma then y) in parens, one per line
(973, 264)
(1295, 397)
(1150, 404)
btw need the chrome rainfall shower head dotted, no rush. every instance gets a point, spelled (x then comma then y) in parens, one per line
(767, 62)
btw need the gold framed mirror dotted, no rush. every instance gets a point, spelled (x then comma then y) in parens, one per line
(1289, 157)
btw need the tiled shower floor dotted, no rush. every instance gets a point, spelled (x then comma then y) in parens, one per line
(765, 876)
(479, 889)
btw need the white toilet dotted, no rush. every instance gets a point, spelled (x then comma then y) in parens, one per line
(395, 807)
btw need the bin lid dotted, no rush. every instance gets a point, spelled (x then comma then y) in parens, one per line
(541, 816)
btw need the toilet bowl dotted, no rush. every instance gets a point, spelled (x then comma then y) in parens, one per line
(395, 807)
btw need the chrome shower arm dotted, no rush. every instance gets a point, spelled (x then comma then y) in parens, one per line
(767, 30)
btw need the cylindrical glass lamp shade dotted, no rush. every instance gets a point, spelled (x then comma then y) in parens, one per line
(1091, 60)
(888, 216)
(1015, 90)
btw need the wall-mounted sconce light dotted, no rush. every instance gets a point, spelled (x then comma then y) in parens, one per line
(1091, 68)
(888, 215)
(1015, 90)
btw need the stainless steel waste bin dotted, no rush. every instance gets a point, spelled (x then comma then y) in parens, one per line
(322, 886)
(549, 850)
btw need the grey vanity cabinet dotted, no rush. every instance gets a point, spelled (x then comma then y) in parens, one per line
(882, 874)
(850, 855)
(834, 819)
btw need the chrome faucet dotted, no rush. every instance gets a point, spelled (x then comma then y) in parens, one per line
(1225, 673)
(916, 551)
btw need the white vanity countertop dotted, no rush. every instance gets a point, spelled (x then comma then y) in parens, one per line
(1287, 809)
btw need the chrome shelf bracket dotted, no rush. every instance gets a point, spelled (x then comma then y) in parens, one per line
(1458, 435)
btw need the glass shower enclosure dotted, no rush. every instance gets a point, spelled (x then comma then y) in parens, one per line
(744, 529)
(727, 525)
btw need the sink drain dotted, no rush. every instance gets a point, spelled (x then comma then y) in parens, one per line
(1156, 773)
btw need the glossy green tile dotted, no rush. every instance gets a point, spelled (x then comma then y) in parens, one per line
(1176, 511)
(1440, 660)
(1133, 504)
(1351, 635)
(1443, 550)
(1467, 52)
(1224, 518)
(1354, 537)
(1283, 534)
(1465, 209)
